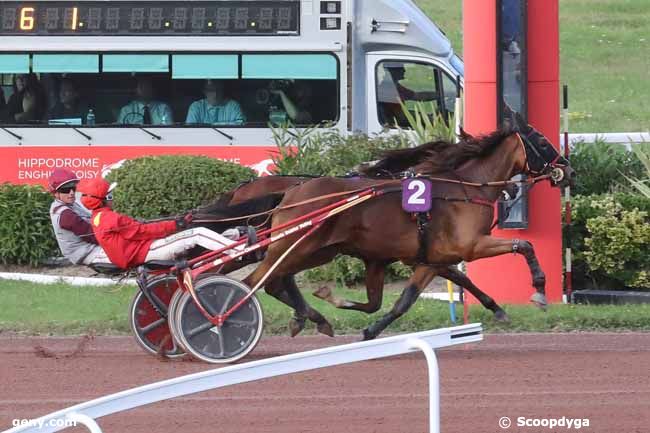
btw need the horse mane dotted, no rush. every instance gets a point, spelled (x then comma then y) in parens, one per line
(441, 155)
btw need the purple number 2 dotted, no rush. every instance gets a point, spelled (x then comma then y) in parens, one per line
(416, 195)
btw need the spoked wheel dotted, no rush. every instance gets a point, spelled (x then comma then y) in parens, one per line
(149, 327)
(219, 344)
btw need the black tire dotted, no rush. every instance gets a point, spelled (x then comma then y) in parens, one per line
(230, 342)
(149, 328)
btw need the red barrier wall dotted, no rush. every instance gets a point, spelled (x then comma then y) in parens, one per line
(507, 278)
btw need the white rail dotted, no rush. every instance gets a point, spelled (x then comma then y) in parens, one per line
(426, 341)
(625, 138)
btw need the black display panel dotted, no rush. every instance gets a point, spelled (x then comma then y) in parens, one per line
(229, 18)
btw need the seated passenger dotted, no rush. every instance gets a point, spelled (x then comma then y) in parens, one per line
(71, 221)
(295, 98)
(129, 243)
(215, 108)
(69, 104)
(390, 93)
(27, 103)
(144, 110)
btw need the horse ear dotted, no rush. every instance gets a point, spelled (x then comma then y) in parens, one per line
(464, 135)
(522, 125)
(509, 118)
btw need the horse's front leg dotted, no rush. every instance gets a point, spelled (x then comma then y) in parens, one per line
(375, 273)
(489, 246)
(421, 277)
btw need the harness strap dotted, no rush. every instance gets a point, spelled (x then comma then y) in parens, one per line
(423, 219)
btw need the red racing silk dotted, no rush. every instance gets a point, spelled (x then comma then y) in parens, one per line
(125, 240)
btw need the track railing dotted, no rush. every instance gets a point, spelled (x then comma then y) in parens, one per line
(426, 341)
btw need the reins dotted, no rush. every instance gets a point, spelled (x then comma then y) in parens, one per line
(482, 202)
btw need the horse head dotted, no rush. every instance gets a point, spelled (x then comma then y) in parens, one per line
(541, 157)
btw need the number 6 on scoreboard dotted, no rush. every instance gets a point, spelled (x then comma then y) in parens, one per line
(26, 18)
(416, 195)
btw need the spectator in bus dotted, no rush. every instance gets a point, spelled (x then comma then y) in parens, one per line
(71, 221)
(28, 103)
(215, 108)
(69, 104)
(145, 110)
(295, 98)
(390, 93)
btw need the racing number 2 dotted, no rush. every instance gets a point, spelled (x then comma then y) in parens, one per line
(416, 195)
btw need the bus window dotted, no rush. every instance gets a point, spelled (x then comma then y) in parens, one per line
(231, 89)
(449, 92)
(408, 83)
(285, 87)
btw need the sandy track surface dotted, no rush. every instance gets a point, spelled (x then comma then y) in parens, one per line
(602, 377)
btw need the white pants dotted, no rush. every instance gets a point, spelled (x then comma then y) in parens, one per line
(96, 256)
(173, 246)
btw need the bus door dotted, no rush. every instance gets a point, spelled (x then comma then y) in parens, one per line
(399, 84)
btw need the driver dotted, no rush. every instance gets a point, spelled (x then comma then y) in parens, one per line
(129, 243)
(70, 221)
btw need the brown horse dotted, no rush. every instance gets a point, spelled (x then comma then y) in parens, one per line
(375, 271)
(378, 231)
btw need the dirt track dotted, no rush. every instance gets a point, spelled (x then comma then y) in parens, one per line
(602, 377)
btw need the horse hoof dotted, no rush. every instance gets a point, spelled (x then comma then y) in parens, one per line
(323, 293)
(296, 326)
(501, 316)
(325, 328)
(539, 300)
(367, 335)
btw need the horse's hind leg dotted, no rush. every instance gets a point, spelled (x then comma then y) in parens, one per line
(462, 280)
(375, 272)
(418, 281)
(304, 309)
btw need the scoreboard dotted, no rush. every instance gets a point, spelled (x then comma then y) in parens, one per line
(95, 18)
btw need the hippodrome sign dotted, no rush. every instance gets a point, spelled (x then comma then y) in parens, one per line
(416, 195)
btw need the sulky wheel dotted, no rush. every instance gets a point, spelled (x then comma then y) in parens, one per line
(171, 318)
(149, 328)
(219, 344)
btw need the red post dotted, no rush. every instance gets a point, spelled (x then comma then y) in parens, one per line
(507, 278)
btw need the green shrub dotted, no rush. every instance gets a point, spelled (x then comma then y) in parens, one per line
(602, 167)
(26, 235)
(157, 186)
(347, 271)
(610, 238)
(327, 153)
(642, 151)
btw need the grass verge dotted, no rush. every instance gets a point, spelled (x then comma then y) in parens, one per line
(60, 309)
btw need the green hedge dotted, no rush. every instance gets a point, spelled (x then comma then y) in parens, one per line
(602, 167)
(156, 186)
(26, 235)
(610, 237)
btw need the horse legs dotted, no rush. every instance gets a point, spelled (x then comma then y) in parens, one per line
(489, 246)
(375, 272)
(282, 286)
(457, 277)
(421, 277)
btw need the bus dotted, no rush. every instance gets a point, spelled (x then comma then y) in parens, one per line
(86, 84)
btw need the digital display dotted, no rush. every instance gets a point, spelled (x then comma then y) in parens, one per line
(228, 18)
